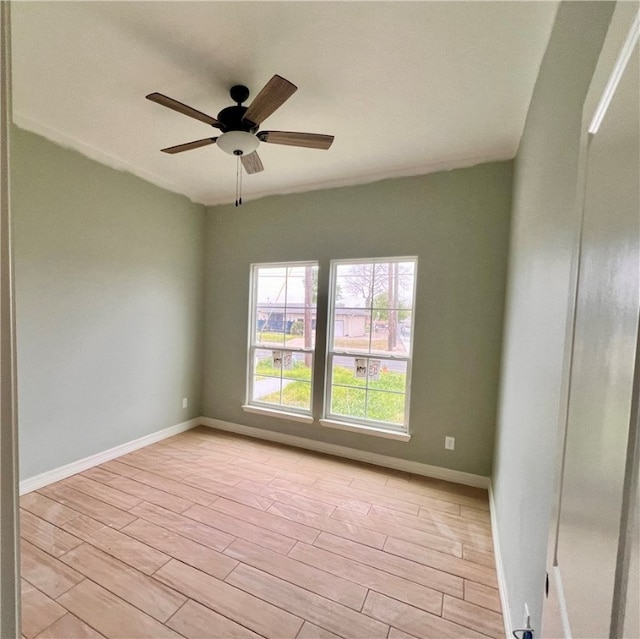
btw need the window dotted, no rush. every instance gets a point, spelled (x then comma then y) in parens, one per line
(369, 342)
(282, 337)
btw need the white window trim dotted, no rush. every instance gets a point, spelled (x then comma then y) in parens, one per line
(275, 412)
(345, 422)
(366, 430)
(263, 408)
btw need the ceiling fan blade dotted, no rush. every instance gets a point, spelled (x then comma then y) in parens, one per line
(252, 163)
(308, 140)
(179, 148)
(273, 95)
(182, 108)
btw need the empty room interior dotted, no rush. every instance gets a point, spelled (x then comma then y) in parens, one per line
(320, 319)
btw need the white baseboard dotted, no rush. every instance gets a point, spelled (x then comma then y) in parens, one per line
(38, 481)
(502, 584)
(417, 468)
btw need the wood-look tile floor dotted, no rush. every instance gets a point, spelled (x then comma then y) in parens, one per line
(210, 535)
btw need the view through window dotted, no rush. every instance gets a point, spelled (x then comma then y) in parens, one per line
(369, 342)
(283, 335)
(369, 353)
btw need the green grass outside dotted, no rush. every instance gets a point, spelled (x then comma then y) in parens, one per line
(275, 338)
(297, 371)
(349, 394)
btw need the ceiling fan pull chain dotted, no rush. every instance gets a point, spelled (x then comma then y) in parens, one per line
(240, 188)
(237, 180)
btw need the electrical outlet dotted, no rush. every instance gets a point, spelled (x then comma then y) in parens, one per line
(449, 443)
(185, 402)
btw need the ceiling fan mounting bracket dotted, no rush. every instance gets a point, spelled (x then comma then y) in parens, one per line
(239, 93)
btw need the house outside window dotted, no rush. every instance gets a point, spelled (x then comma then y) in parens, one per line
(282, 336)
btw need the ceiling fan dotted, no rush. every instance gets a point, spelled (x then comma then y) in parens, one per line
(239, 124)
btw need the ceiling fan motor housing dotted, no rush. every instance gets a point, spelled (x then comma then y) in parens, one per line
(230, 118)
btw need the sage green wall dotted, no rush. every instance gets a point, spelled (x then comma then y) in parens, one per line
(109, 308)
(544, 234)
(456, 222)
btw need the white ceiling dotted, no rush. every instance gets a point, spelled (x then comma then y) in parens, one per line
(406, 87)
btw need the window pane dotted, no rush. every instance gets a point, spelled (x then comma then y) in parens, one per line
(372, 314)
(351, 329)
(385, 407)
(354, 284)
(296, 394)
(297, 365)
(404, 331)
(344, 372)
(393, 286)
(392, 375)
(406, 287)
(266, 363)
(350, 402)
(297, 277)
(266, 389)
(270, 285)
(269, 328)
(283, 327)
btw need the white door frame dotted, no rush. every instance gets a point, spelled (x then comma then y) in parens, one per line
(9, 522)
(622, 36)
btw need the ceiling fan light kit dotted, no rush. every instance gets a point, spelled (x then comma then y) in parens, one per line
(238, 142)
(239, 125)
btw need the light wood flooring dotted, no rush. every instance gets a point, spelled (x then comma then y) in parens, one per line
(210, 535)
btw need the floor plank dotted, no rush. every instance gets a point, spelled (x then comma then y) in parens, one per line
(242, 529)
(267, 520)
(118, 544)
(111, 615)
(371, 578)
(344, 529)
(196, 621)
(87, 505)
(101, 491)
(440, 524)
(190, 552)
(472, 616)
(425, 575)
(150, 494)
(69, 627)
(46, 573)
(253, 612)
(286, 497)
(441, 561)
(325, 613)
(482, 596)
(414, 621)
(38, 610)
(129, 584)
(386, 527)
(311, 631)
(367, 496)
(46, 536)
(313, 579)
(47, 509)
(329, 497)
(185, 526)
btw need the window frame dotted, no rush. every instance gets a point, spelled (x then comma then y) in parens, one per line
(353, 423)
(255, 406)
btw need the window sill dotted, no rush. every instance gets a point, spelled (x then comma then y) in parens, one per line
(270, 412)
(366, 430)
